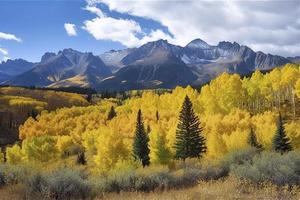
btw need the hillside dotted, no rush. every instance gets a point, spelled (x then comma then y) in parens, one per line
(18, 104)
(11, 68)
(66, 68)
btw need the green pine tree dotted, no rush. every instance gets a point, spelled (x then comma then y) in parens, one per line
(81, 158)
(112, 113)
(163, 153)
(140, 145)
(157, 115)
(281, 143)
(189, 140)
(252, 140)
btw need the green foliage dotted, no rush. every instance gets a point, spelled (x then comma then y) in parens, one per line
(189, 140)
(140, 145)
(252, 140)
(281, 143)
(112, 113)
(81, 158)
(160, 153)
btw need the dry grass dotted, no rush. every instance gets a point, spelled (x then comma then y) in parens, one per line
(12, 192)
(228, 189)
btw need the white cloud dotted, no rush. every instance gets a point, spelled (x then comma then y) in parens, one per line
(70, 29)
(8, 36)
(4, 55)
(271, 26)
(119, 30)
(95, 10)
(4, 52)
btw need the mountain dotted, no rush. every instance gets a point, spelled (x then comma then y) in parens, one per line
(295, 59)
(66, 68)
(156, 64)
(152, 65)
(11, 68)
(196, 63)
(113, 58)
(230, 57)
(4, 77)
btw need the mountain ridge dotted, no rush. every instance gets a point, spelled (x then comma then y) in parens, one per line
(152, 65)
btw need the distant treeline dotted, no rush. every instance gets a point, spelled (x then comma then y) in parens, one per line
(77, 90)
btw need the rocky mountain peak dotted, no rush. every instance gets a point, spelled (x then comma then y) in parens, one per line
(227, 45)
(198, 43)
(47, 56)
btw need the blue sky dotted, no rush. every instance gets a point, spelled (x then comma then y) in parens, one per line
(40, 26)
(28, 29)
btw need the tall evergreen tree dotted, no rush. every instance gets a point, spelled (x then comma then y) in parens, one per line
(148, 129)
(281, 143)
(89, 97)
(189, 140)
(252, 140)
(112, 113)
(81, 158)
(157, 115)
(140, 145)
(34, 114)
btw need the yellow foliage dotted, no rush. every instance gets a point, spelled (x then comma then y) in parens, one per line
(297, 88)
(41, 148)
(1, 157)
(265, 127)
(64, 143)
(111, 149)
(14, 154)
(223, 107)
(227, 92)
(293, 132)
(215, 145)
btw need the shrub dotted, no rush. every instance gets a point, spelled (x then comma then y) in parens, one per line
(271, 167)
(238, 157)
(149, 179)
(213, 172)
(36, 185)
(116, 182)
(2, 178)
(60, 184)
(14, 174)
(153, 178)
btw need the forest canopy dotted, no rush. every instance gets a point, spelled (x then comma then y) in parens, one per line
(229, 108)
